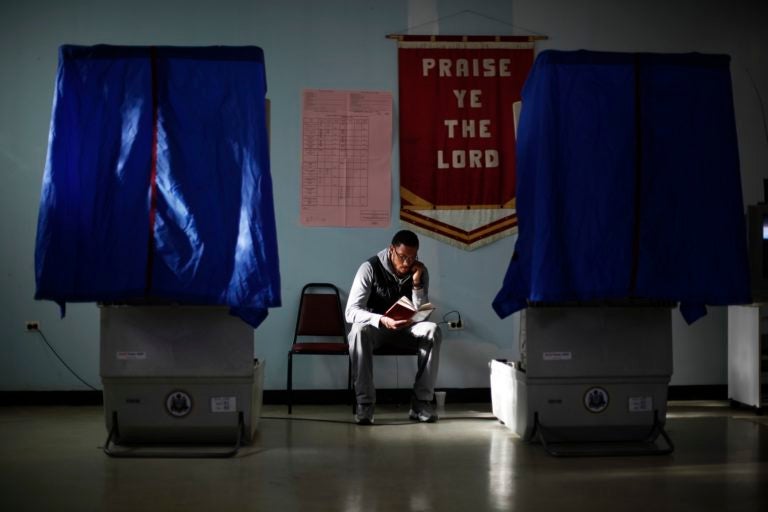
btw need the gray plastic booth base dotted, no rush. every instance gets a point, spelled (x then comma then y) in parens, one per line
(580, 442)
(182, 417)
(591, 381)
(175, 451)
(179, 381)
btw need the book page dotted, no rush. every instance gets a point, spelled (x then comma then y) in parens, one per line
(422, 314)
(401, 310)
(404, 309)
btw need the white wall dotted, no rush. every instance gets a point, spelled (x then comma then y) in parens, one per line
(334, 44)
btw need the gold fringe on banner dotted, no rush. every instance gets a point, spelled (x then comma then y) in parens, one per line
(404, 38)
(458, 237)
(469, 45)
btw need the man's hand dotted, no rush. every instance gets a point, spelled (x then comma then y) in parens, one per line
(417, 270)
(392, 324)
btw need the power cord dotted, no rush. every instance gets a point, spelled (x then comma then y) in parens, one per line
(73, 372)
(455, 324)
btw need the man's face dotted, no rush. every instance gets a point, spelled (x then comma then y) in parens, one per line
(402, 258)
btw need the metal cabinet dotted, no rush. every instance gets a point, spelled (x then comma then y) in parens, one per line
(748, 355)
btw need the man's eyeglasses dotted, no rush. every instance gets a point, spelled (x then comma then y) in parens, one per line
(405, 259)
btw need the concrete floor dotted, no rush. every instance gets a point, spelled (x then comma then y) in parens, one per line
(51, 459)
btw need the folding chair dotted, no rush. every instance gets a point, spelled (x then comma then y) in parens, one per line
(319, 316)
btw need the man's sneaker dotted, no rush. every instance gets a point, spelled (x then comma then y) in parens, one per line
(364, 414)
(423, 411)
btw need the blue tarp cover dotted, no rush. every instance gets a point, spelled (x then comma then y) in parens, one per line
(157, 183)
(628, 183)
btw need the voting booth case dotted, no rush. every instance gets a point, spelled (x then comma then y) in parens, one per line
(178, 377)
(590, 381)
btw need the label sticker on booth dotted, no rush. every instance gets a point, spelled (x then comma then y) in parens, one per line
(131, 355)
(224, 404)
(557, 356)
(640, 404)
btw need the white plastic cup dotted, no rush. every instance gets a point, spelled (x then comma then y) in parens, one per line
(440, 400)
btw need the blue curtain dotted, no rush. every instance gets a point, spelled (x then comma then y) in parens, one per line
(157, 184)
(628, 183)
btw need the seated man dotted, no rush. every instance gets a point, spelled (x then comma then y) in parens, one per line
(380, 281)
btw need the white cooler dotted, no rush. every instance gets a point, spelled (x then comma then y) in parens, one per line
(587, 374)
(179, 374)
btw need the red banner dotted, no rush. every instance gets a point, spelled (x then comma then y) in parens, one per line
(457, 141)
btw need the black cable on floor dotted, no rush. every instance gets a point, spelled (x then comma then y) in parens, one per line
(73, 372)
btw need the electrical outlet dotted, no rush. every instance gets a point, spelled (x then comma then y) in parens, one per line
(33, 326)
(456, 325)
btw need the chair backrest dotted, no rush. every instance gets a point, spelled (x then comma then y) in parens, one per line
(320, 312)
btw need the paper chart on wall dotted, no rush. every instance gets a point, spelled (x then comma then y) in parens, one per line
(346, 158)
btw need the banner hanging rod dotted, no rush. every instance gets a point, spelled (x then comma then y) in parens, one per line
(466, 39)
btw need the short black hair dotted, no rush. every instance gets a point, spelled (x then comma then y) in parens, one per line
(405, 237)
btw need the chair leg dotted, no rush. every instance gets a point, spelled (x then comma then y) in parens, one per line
(351, 388)
(289, 385)
(350, 394)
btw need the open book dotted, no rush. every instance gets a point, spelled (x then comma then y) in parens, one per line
(404, 309)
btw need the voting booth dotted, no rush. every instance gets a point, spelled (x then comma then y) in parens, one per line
(178, 375)
(590, 381)
(614, 177)
(170, 238)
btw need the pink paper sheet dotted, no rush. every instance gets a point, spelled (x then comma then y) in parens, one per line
(346, 176)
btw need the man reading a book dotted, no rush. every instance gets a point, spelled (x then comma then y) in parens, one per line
(380, 282)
